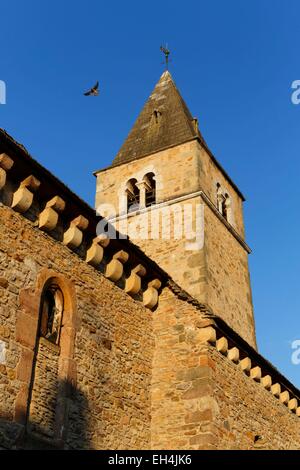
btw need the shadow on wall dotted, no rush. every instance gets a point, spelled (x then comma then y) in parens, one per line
(70, 429)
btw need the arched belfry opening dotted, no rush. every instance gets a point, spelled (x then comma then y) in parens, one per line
(150, 189)
(156, 116)
(133, 195)
(52, 306)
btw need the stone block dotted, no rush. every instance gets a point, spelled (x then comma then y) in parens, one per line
(23, 197)
(266, 382)
(222, 345)
(284, 397)
(233, 354)
(245, 364)
(276, 390)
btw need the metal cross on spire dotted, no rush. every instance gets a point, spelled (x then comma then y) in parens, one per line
(166, 52)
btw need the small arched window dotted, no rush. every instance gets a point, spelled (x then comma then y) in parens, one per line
(150, 184)
(133, 195)
(223, 203)
(51, 314)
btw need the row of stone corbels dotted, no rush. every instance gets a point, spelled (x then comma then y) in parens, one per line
(73, 236)
(209, 335)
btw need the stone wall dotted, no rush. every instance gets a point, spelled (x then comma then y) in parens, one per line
(45, 388)
(123, 376)
(182, 403)
(176, 171)
(217, 272)
(126, 393)
(249, 415)
(209, 176)
(215, 392)
(154, 231)
(109, 406)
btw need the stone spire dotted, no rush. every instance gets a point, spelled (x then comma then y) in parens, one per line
(164, 122)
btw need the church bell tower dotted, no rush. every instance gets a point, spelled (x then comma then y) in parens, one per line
(167, 191)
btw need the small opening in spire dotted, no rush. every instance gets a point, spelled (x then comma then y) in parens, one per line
(195, 122)
(157, 116)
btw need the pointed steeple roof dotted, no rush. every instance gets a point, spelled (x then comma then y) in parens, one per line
(164, 122)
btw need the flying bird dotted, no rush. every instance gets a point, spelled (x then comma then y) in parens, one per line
(93, 91)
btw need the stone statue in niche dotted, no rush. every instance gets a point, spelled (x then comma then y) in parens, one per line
(51, 316)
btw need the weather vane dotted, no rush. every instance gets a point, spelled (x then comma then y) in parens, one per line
(166, 52)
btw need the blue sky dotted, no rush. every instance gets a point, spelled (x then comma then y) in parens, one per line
(233, 62)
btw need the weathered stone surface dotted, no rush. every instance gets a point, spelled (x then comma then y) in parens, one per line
(112, 351)
(284, 397)
(245, 364)
(250, 406)
(255, 373)
(276, 389)
(222, 345)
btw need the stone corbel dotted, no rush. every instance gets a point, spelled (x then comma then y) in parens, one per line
(5, 165)
(222, 345)
(255, 373)
(74, 235)
(233, 354)
(134, 282)
(293, 404)
(245, 364)
(266, 382)
(114, 269)
(284, 397)
(48, 218)
(150, 296)
(207, 335)
(276, 390)
(95, 253)
(23, 197)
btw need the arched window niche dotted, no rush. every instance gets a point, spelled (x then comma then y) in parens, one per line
(48, 309)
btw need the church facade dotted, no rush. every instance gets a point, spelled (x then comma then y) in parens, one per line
(132, 327)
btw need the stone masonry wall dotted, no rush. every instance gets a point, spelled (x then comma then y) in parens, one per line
(182, 404)
(246, 409)
(228, 282)
(217, 274)
(45, 389)
(157, 238)
(180, 394)
(110, 402)
(203, 400)
(209, 176)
